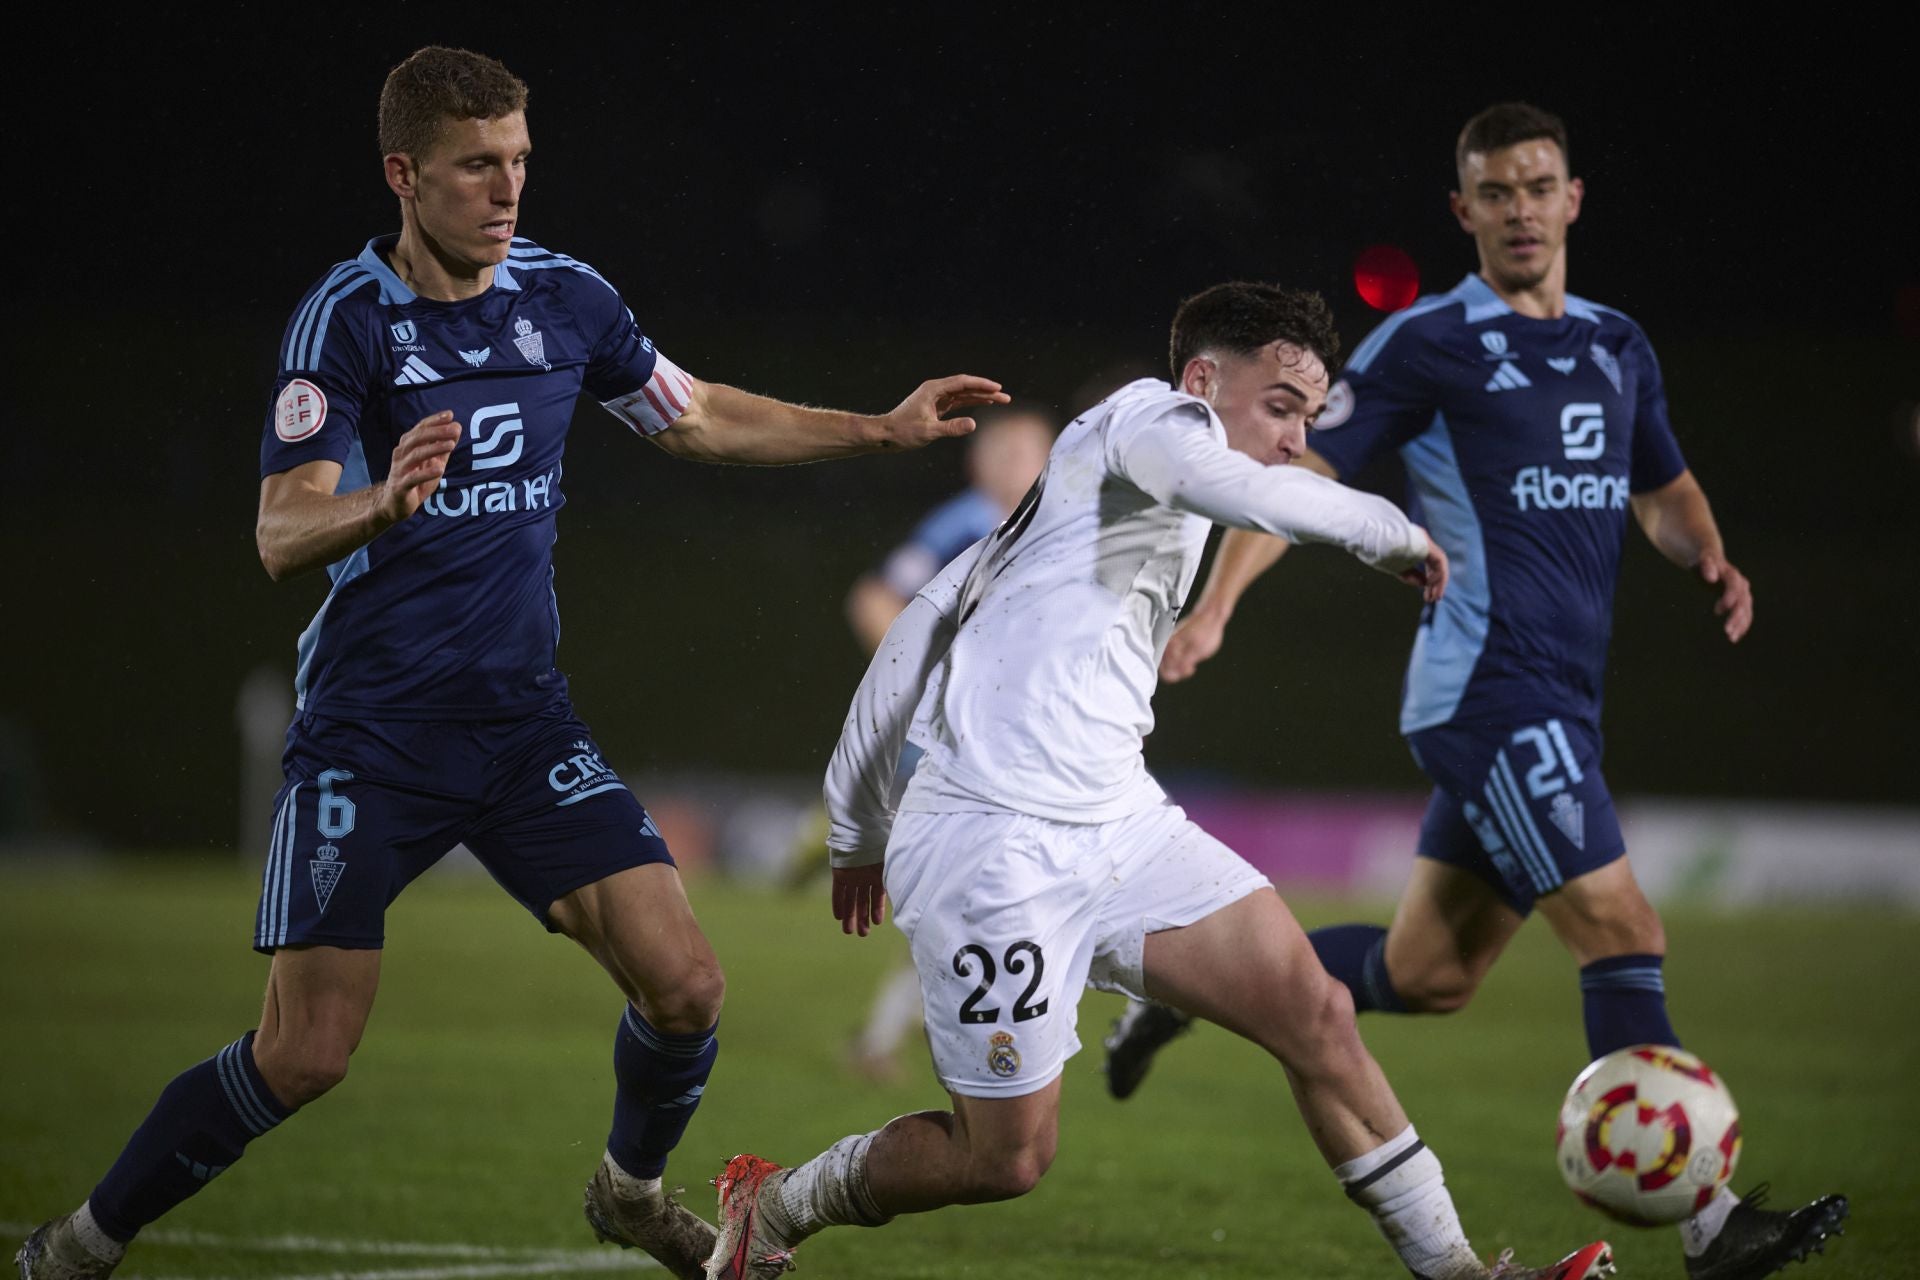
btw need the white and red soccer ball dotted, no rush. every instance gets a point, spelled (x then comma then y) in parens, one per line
(1648, 1135)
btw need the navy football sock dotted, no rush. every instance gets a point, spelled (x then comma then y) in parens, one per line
(1357, 955)
(661, 1078)
(202, 1122)
(1626, 1004)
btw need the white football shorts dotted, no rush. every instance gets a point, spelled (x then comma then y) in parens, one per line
(1011, 917)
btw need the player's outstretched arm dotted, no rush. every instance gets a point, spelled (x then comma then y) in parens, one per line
(726, 424)
(1244, 555)
(303, 524)
(1678, 520)
(1182, 465)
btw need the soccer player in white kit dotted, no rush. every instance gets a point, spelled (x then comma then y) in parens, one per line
(1033, 853)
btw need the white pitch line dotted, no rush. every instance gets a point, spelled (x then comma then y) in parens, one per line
(499, 1260)
(549, 1266)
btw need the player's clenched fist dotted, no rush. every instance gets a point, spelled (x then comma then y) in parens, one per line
(419, 461)
(921, 418)
(1197, 638)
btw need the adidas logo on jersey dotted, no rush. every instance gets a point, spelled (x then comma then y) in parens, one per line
(1508, 378)
(415, 371)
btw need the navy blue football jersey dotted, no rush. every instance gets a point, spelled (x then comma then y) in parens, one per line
(450, 614)
(1522, 440)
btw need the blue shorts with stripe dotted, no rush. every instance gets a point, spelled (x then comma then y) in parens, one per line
(369, 805)
(1523, 807)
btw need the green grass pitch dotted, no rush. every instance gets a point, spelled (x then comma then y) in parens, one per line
(478, 1104)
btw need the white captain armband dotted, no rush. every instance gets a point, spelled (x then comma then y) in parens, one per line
(667, 395)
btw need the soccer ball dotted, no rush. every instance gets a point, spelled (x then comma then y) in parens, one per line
(1648, 1135)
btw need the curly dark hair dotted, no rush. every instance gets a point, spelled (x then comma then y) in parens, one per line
(1242, 317)
(437, 85)
(1504, 125)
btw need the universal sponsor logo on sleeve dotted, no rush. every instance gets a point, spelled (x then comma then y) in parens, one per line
(300, 411)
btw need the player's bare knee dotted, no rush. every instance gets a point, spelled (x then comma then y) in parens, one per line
(298, 1075)
(1006, 1175)
(688, 1000)
(1317, 1031)
(1446, 990)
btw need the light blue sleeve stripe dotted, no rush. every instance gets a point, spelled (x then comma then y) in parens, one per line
(300, 330)
(1369, 349)
(326, 314)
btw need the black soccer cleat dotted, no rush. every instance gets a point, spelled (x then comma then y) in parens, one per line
(1757, 1242)
(1136, 1036)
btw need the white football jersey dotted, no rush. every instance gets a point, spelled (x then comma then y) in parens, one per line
(1032, 660)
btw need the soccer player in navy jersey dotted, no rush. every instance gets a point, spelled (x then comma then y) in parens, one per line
(1530, 422)
(414, 446)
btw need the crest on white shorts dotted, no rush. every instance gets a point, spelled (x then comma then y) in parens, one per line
(1002, 1058)
(326, 869)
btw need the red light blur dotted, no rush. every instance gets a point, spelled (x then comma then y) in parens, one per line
(1386, 278)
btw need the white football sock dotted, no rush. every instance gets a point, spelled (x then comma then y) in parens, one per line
(827, 1191)
(92, 1238)
(1699, 1231)
(1399, 1182)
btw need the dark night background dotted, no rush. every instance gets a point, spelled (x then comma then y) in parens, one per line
(830, 207)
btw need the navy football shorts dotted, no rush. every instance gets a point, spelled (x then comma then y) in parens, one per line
(1524, 808)
(369, 805)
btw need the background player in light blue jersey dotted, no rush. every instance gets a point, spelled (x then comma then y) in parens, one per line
(1530, 422)
(414, 449)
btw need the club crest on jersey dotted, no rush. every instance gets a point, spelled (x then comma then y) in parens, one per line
(476, 358)
(1002, 1058)
(1570, 816)
(1607, 363)
(326, 869)
(1563, 364)
(403, 332)
(532, 345)
(300, 411)
(1495, 342)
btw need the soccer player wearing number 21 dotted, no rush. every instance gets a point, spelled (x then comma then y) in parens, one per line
(1530, 421)
(414, 447)
(1033, 854)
